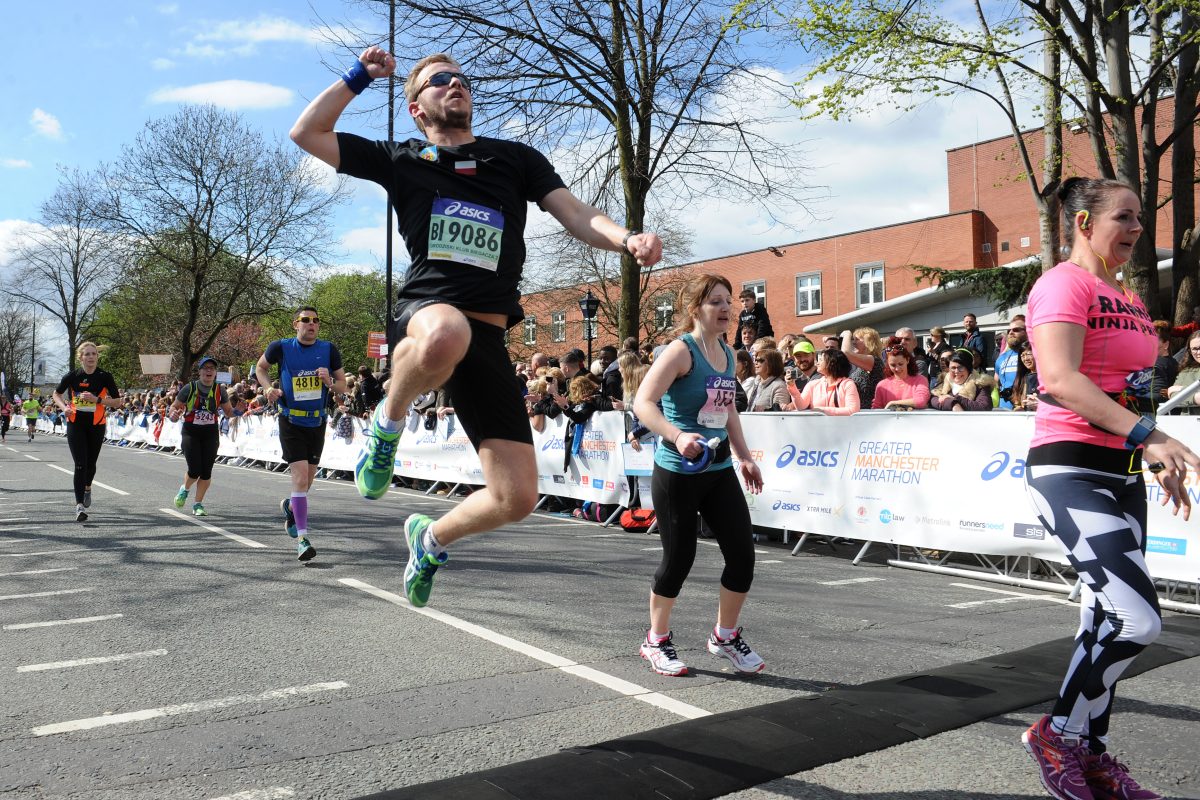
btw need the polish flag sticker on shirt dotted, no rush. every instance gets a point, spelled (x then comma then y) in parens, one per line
(464, 167)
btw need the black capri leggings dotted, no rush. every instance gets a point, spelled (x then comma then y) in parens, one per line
(718, 497)
(200, 451)
(84, 440)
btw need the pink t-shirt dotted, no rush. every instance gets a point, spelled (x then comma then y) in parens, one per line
(1120, 339)
(902, 387)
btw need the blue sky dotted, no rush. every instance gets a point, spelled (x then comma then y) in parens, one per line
(79, 81)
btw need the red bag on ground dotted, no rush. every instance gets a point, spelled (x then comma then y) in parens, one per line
(637, 520)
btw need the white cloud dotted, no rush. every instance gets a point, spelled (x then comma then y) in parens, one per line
(168, 8)
(12, 233)
(320, 173)
(162, 63)
(46, 124)
(231, 94)
(242, 37)
(372, 241)
(15, 163)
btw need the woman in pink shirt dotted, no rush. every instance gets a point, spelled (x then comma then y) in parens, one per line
(1095, 346)
(833, 393)
(903, 387)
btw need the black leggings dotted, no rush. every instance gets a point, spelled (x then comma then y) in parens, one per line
(1093, 506)
(85, 440)
(718, 497)
(200, 450)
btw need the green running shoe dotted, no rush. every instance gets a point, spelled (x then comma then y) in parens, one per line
(181, 498)
(373, 473)
(289, 519)
(198, 510)
(304, 550)
(418, 572)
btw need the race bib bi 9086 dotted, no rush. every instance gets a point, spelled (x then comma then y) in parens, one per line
(465, 233)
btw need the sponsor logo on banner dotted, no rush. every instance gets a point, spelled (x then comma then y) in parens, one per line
(999, 466)
(887, 517)
(559, 479)
(597, 483)
(977, 526)
(860, 515)
(790, 455)
(1024, 531)
(891, 462)
(610, 485)
(779, 505)
(552, 443)
(938, 522)
(826, 510)
(1170, 547)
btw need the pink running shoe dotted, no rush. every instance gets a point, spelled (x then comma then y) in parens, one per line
(1109, 780)
(1060, 761)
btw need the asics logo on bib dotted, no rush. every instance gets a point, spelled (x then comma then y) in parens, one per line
(459, 210)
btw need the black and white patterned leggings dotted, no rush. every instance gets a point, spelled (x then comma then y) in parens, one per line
(1097, 513)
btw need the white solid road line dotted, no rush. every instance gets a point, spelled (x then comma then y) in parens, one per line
(94, 483)
(6, 542)
(848, 581)
(34, 458)
(236, 537)
(274, 793)
(1009, 597)
(43, 594)
(34, 503)
(84, 662)
(565, 664)
(21, 626)
(55, 552)
(183, 708)
(37, 571)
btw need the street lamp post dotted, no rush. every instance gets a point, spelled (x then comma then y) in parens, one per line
(589, 305)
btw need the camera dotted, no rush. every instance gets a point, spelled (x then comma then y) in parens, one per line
(430, 422)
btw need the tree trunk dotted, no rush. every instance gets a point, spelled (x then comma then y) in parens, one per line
(1047, 199)
(1183, 177)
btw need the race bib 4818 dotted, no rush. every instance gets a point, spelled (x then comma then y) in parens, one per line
(465, 233)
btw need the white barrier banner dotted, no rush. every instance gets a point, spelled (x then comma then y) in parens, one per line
(936, 480)
(596, 472)
(441, 454)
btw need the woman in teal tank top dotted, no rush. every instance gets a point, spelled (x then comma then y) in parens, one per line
(694, 380)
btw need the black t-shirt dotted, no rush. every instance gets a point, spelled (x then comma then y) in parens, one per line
(99, 383)
(477, 259)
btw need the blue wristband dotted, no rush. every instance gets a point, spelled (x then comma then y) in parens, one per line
(357, 78)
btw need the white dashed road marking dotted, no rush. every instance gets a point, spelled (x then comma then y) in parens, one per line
(84, 662)
(618, 685)
(21, 626)
(235, 537)
(94, 483)
(42, 594)
(849, 581)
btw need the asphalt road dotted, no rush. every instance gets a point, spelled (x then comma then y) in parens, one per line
(144, 655)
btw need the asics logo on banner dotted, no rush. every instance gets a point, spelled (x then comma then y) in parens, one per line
(999, 463)
(779, 505)
(552, 444)
(457, 209)
(807, 458)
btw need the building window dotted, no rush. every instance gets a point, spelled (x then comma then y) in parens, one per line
(870, 283)
(558, 326)
(591, 328)
(808, 293)
(530, 330)
(1004, 247)
(664, 312)
(759, 288)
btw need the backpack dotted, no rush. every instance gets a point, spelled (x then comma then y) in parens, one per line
(637, 520)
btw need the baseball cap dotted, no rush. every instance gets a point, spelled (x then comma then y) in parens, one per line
(804, 347)
(206, 360)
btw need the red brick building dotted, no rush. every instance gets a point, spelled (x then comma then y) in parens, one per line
(865, 277)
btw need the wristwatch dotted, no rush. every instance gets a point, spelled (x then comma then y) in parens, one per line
(628, 235)
(1141, 431)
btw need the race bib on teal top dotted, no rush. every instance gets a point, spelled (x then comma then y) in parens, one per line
(715, 412)
(465, 233)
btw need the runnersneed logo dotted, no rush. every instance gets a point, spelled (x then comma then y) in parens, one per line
(976, 525)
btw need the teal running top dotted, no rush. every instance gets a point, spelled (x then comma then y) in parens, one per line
(699, 402)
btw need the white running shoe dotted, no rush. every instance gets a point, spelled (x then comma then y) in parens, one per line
(80, 514)
(737, 651)
(663, 658)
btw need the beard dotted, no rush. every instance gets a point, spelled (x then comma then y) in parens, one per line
(1015, 341)
(442, 118)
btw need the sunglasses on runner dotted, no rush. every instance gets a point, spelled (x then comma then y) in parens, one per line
(306, 319)
(444, 78)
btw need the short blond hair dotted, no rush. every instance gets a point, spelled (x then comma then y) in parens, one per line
(411, 87)
(79, 350)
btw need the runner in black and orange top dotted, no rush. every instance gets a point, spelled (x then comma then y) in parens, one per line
(84, 394)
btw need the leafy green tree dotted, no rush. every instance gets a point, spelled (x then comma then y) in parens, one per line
(350, 305)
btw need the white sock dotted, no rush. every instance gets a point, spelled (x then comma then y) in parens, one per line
(725, 634)
(183, 488)
(387, 423)
(430, 543)
(654, 637)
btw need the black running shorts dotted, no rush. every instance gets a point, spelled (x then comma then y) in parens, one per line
(300, 443)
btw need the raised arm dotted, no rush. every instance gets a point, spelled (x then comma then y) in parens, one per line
(313, 131)
(589, 225)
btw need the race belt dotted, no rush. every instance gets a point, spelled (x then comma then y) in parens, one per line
(299, 412)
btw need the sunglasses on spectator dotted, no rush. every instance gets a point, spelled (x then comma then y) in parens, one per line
(307, 319)
(760, 361)
(1016, 330)
(897, 350)
(444, 78)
